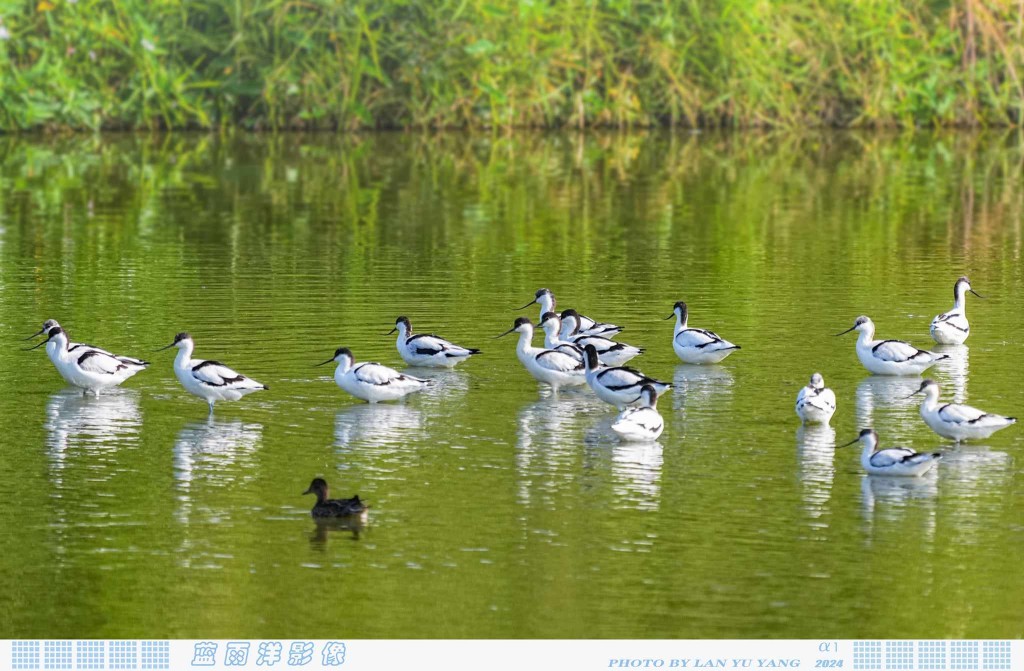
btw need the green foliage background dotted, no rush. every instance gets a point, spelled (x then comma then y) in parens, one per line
(262, 64)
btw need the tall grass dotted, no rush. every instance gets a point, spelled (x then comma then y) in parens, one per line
(503, 63)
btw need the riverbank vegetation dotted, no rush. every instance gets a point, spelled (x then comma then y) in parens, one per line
(359, 64)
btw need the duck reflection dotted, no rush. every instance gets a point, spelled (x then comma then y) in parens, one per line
(218, 451)
(703, 389)
(886, 399)
(954, 369)
(100, 424)
(378, 425)
(545, 459)
(351, 527)
(815, 447)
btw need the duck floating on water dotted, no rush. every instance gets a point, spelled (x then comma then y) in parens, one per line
(327, 507)
(889, 357)
(952, 328)
(956, 421)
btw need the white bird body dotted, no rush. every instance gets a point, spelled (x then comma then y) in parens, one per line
(956, 421)
(697, 346)
(643, 423)
(89, 368)
(428, 350)
(372, 382)
(890, 357)
(617, 385)
(588, 326)
(816, 403)
(898, 461)
(210, 380)
(564, 331)
(952, 328)
(553, 367)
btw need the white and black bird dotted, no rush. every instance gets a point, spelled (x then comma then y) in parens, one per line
(617, 385)
(551, 324)
(889, 357)
(89, 368)
(643, 422)
(697, 346)
(815, 403)
(372, 382)
(952, 328)
(610, 353)
(210, 380)
(587, 325)
(550, 366)
(80, 348)
(422, 349)
(956, 421)
(901, 461)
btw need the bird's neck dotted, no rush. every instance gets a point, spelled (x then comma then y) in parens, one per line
(960, 300)
(931, 399)
(184, 355)
(866, 336)
(681, 319)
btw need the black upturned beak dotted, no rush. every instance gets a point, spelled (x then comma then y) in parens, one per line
(846, 331)
(919, 390)
(857, 439)
(506, 332)
(391, 331)
(971, 290)
(324, 363)
(168, 347)
(29, 349)
(36, 334)
(670, 316)
(528, 304)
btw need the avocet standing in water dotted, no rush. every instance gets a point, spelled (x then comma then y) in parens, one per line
(210, 380)
(894, 460)
(423, 349)
(816, 403)
(587, 325)
(697, 345)
(889, 357)
(372, 382)
(610, 353)
(551, 323)
(88, 368)
(951, 328)
(617, 385)
(552, 367)
(643, 422)
(959, 422)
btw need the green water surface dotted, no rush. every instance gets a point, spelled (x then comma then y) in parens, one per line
(497, 510)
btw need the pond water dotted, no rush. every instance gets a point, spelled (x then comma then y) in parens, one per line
(498, 510)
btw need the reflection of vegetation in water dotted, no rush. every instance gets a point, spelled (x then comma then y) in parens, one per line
(361, 64)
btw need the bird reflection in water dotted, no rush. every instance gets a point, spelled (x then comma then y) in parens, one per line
(545, 460)
(900, 501)
(99, 424)
(352, 526)
(885, 400)
(954, 370)
(815, 446)
(378, 425)
(701, 389)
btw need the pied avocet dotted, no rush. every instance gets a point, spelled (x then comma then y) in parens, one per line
(423, 349)
(90, 368)
(552, 367)
(816, 403)
(697, 345)
(610, 353)
(889, 357)
(894, 460)
(587, 325)
(551, 324)
(951, 328)
(956, 421)
(617, 385)
(211, 381)
(372, 382)
(643, 422)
